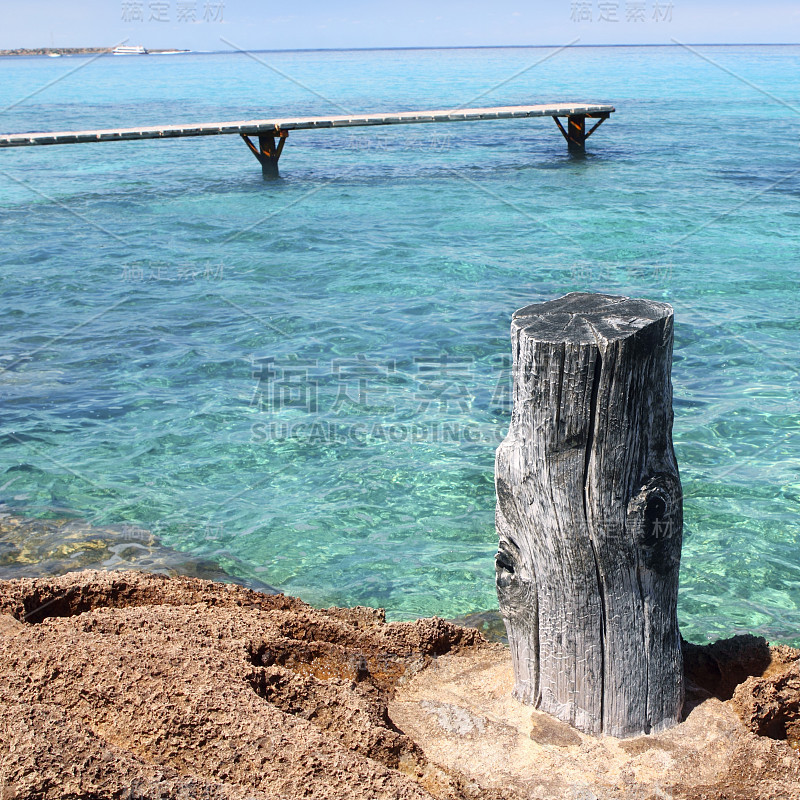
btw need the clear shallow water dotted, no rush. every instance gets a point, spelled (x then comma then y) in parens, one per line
(168, 318)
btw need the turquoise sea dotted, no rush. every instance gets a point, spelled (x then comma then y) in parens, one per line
(304, 381)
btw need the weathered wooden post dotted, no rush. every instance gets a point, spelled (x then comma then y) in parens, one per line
(268, 151)
(589, 515)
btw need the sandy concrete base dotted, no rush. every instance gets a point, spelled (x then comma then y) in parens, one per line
(461, 713)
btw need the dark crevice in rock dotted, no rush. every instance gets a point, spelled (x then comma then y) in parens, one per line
(34, 600)
(718, 668)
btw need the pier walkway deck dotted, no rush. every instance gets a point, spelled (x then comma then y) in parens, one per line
(272, 133)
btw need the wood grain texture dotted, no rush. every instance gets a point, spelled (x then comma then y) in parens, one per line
(589, 515)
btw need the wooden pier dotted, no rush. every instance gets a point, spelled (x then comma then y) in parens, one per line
(272, 133)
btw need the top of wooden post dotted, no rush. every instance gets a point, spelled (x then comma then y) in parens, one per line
(585, 318)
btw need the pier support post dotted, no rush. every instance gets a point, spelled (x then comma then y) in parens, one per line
(589, 515)
(268, 151)
(575, 133)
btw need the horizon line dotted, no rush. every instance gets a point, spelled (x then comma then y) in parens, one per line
(422, 47)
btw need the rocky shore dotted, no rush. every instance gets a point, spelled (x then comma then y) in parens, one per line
(43, 51)
(71, 51)
(130, 685)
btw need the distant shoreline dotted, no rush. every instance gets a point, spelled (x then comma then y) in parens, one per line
(77, 51)
(70, 51)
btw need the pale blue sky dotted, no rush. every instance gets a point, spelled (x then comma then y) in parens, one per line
(358, 23)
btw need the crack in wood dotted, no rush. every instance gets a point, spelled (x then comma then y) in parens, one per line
(593, 411)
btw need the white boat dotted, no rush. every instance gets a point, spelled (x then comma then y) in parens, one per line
(129, 50)
(52, 52)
